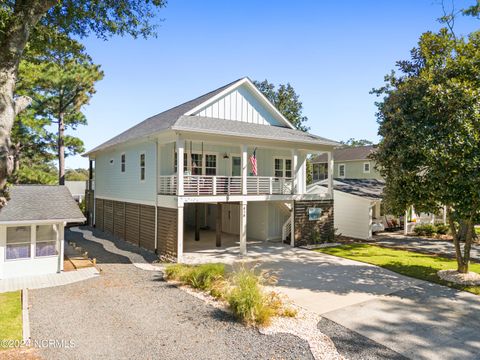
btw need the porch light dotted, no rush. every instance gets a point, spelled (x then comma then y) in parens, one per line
(225, 156)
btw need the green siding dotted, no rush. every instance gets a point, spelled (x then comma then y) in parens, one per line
(354, 170)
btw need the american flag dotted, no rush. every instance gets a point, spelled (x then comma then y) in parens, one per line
(253, 161)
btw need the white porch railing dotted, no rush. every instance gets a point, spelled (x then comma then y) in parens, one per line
(225, 185)
(287, 228)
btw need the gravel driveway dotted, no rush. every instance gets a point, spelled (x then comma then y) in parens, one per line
(129, 313)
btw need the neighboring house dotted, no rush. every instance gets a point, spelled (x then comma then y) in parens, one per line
(77, 189)
(357, 206)
(227, 160)
(350, 163)
(31, 229)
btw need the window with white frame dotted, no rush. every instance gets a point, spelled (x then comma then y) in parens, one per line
(46, 243)
(18, 243)
(210, 164)
(341, 170)
(122, 163)
(197, 164)
(283, 167)
(366, 167)
(142, 167)
(185, 156)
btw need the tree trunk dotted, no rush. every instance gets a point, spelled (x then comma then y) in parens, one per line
(464, 234)
(13, 40)
(61, 149)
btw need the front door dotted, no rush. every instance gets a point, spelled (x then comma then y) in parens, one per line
(236, 166)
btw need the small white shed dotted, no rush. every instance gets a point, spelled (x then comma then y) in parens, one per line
(32, 229)
(356, 205)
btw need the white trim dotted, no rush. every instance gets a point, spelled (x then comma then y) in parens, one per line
(141, 202)
(239, 198)
(344, 171)
(40, 222)
(257, 93)
(369, 167)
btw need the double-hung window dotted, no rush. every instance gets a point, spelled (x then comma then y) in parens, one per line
(366, 167)
(283, 168)
(46, 243)
(341, 170)
(197, 164)
(210, 164)
(142, 167)
(18, 243)
(122, 163)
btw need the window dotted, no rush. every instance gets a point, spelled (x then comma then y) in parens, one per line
(283, 168)
(122, 163)
(341, 170)
(197, 164)
(46, 243)
(320, 171)
(210, 164)
(142, 167)
(184, 162)
(366, 167)
(18, 242)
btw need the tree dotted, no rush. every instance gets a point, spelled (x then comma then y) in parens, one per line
(76, 174)
(430, 127)
(354, 143)
(31, 22)
(286, 101)
(60, 83)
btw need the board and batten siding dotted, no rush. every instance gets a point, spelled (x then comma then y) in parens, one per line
(167, 231)
(239, 105)
(354, 170)
(352, 216)
(111, 183)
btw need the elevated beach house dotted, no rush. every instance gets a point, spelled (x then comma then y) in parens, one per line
(226, 164)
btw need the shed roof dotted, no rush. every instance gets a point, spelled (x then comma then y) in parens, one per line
(367, 188)
(347, 154)
(40, 202)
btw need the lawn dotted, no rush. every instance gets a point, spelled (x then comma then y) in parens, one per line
(10, 316)
(407, 263)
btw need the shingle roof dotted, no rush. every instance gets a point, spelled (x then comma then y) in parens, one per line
(40, 202)
(159, 122)
(239, 128)
(367, 188)
(346, 154)
(175, 119)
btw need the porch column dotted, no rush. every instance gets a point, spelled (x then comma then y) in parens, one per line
(295, 171)
(405, 223)
(444, 215)
(61, 245)
(243, 227)
(331, 169)
(218, 226)
(197, 223)
(180, 165)
(244, 161)
(292, 226)
(180, 233)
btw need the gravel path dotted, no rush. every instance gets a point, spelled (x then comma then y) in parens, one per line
(355, 346)
(129, 313)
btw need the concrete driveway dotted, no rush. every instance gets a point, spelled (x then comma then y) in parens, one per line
(416, 319)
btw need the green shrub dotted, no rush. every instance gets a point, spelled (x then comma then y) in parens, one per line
(424, 230)
(199, 276)
(442, 229)
(247, 300)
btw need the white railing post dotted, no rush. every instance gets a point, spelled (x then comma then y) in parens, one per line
(214, 185)
(180, 165)
(331, 168)
(244, 162)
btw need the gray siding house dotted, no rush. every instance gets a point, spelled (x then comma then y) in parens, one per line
(227, 161)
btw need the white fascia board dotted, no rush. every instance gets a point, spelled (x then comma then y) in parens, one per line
(257, 93)
(40, 222)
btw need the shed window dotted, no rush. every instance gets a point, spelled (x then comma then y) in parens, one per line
(18, 242)
(142, 167)
(122, 163)
(341, 170)
(366, 167)
(210, 164)
(46, 243)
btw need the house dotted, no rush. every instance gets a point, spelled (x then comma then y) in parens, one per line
(357, 207)
(31, 229)
(226, 162)
(77, 189)
(350, 163)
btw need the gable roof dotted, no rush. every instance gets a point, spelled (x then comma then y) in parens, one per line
(182, 117)
(348, 154)
(367, 188)
(40, 202)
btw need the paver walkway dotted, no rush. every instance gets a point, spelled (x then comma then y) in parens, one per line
(431, 246)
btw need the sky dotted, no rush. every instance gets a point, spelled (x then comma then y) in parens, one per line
(332, 52)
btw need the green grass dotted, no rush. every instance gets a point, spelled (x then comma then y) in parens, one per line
(241, 289)
(415, 265)
(10, 316)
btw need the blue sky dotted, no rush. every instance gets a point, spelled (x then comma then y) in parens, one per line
(332, 52)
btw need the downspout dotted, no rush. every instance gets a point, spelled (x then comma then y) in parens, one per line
(157, 158)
